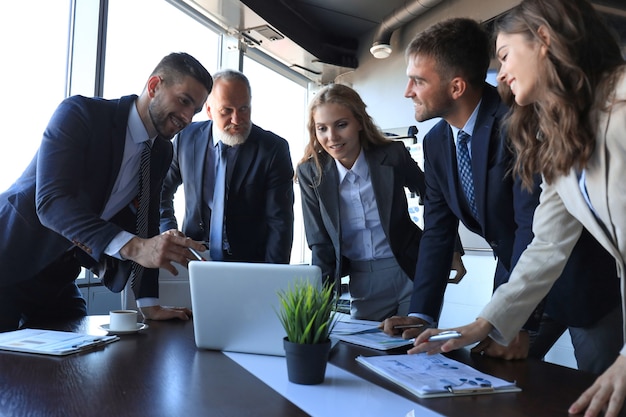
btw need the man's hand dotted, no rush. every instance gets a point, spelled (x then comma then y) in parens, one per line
(391, 326)
(165, 313)
(458, 267)
(517, 349)
(161, 250)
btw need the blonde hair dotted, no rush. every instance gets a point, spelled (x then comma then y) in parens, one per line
(345, 96)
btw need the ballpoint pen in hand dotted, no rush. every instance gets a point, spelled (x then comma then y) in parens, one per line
(408, 326)
(196, 254)
(443, 336)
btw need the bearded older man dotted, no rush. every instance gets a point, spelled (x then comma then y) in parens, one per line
(249, 203)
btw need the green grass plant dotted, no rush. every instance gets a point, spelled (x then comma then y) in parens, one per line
(307, 312)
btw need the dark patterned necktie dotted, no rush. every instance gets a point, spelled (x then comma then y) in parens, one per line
(216, 233)
(464, 163)
(142, 207)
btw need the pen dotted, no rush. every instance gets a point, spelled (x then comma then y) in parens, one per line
(443, 336)
(196, 254)
(408, 326)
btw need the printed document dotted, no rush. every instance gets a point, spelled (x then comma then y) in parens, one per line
(435, 375)
(51, 342)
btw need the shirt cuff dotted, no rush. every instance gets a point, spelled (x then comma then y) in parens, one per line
(147, 302)
(423, 317)
(118, 242)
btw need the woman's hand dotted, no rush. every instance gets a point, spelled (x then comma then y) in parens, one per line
(516, 349)
(606, 393)
(471, 333)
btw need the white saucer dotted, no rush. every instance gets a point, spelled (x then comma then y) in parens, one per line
(140, 326)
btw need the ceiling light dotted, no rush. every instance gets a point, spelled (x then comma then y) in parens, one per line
(380, 51)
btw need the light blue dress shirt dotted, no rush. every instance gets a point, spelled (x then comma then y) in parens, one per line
(362, 235)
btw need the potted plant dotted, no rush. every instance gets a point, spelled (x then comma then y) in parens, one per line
(308, 316)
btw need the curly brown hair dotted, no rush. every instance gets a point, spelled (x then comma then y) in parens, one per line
(557, 132)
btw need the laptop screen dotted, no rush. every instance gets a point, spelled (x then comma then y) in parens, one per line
(235, 304)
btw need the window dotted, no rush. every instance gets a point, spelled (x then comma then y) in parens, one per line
(140, 33)
(33, 71)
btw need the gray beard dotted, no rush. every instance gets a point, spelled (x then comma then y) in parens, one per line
(228, 139)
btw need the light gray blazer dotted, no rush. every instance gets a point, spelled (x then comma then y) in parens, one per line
(558, 222)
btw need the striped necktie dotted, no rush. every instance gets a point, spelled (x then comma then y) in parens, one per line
(464, 163)
(142, 207)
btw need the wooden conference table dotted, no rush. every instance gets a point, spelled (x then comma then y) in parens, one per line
(160, 372)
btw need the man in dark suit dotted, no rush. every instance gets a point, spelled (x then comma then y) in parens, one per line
(447, 66)
(258, 206)
(75, 204)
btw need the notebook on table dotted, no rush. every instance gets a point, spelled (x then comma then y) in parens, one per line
(235, 304)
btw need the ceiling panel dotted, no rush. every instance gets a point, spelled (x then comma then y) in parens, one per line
(322, 37)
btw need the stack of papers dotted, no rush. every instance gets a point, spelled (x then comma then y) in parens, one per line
(51, 342)
(346, 325)
(366, 333)
(435, 375)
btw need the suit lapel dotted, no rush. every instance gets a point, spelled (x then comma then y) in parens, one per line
(454, 186)
(480, 149)
(573, 199)
(328, 195)
(242, 164)
(382, 183)
(201, 145)
(118, 141)
(596, 176)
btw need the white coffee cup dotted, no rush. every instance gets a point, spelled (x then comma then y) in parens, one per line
(123, 320)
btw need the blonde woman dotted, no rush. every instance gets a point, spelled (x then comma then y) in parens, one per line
(356, 215)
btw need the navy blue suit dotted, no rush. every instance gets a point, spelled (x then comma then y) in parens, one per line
(505, 213)
(259, 202)
(54, 208)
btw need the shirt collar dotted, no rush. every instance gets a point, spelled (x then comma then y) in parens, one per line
(136, 128)
(469, 125)
(359, 168)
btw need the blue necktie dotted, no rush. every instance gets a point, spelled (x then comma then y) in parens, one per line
(464, 163)
(216, 234)
(143, 205)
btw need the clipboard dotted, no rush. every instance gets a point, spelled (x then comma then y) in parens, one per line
(430, 376)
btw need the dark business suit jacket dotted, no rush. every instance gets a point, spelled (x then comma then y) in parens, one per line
(55, 205)
(505, 214)
(259, 201)
(391, 170)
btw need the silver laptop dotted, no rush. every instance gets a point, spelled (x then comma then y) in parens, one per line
(235, 305)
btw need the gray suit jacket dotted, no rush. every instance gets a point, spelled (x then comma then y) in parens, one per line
(559, 220)
(391, 170)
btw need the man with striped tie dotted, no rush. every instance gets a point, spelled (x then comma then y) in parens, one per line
(88, 199)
